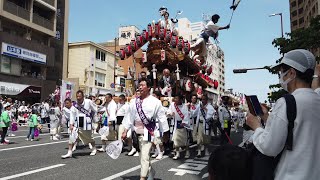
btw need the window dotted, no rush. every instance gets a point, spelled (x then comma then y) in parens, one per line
(100, 79)
(97, 54)
(301, 20)
(300, 1)
(300, 11)
(10, 65)
(294, 23)
(100, 55)
(294, 13)
(293, 4)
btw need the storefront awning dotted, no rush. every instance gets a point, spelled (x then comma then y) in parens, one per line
(13, 89)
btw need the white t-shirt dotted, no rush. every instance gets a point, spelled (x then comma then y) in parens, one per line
(211, 29)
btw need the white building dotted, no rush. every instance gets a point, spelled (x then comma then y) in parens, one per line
(126, 33)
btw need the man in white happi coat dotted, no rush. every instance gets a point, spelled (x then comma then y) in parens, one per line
(111, 110)
(193, 118)
(180, 113)
(122, 109)
(70, 111)
(142, 116)
(86, 110)
(205, 114)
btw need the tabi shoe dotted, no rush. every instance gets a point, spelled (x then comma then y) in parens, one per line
(74, 146)
(207, 153)
(160, 156)
(68, 155)
(202, 148)
(187, 154)
(55, 138)
(136, 154)
(177, 156)
(102, 149)
(152, 173)
(131, 153)
(199, 153)
(93, 152)
(155, 154)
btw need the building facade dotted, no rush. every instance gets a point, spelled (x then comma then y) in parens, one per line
(215, 55)
(92, 67)
(302, 11)
(32, 53)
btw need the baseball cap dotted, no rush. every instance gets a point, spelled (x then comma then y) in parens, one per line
(299, 59)
(6, 105)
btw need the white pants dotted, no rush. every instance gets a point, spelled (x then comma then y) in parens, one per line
(145, 148)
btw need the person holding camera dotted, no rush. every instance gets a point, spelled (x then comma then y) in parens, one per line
(298, 162)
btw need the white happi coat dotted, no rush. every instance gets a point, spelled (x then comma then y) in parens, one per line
(210, 116)
(87, 123)
(193, 108)
(152, 108)
(184, 110)
(111, 111)
(70, 113)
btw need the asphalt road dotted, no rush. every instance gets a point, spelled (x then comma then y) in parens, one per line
(41, 159)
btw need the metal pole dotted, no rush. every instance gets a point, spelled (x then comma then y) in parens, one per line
(281, 25)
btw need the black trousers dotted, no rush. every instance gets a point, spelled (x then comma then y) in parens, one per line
(224, 139)
(4, 133)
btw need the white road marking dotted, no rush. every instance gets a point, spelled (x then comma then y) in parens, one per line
(31, 172)
(14, 137)
(36, 145)
(181, 172)
(197, 162)
(130, 170)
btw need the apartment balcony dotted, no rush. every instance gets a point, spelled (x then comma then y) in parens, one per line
(16, 10)
(50, 2)
(43, 22)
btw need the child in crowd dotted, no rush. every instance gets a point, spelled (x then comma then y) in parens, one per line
(32, 123)
(5, 121)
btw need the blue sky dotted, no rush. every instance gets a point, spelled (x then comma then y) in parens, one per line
(246, 44)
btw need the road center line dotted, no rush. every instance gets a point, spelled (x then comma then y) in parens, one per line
(130, 170)
(31, 172)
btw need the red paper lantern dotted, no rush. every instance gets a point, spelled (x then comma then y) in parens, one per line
(180, 43)
(156, 30)
(168, 36)
(162, 34)
(133, 45)
(209, 70)
(128, 50)
(150, 33)
(139, 40)
(186, 48)
(122, 54)
(215, 84)
(174, 41)
(145, 36)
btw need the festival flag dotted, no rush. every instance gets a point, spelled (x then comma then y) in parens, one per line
(144, 57)
(163, 55)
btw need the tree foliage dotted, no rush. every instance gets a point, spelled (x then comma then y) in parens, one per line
(304, 38)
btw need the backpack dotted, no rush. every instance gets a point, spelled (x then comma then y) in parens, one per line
(263, 167)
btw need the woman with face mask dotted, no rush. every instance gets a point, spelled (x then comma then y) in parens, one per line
(296, 75)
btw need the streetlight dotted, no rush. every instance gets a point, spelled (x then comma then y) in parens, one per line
(279, 14)
(244, 70)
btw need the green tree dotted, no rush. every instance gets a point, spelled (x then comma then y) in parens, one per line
(304, 38)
